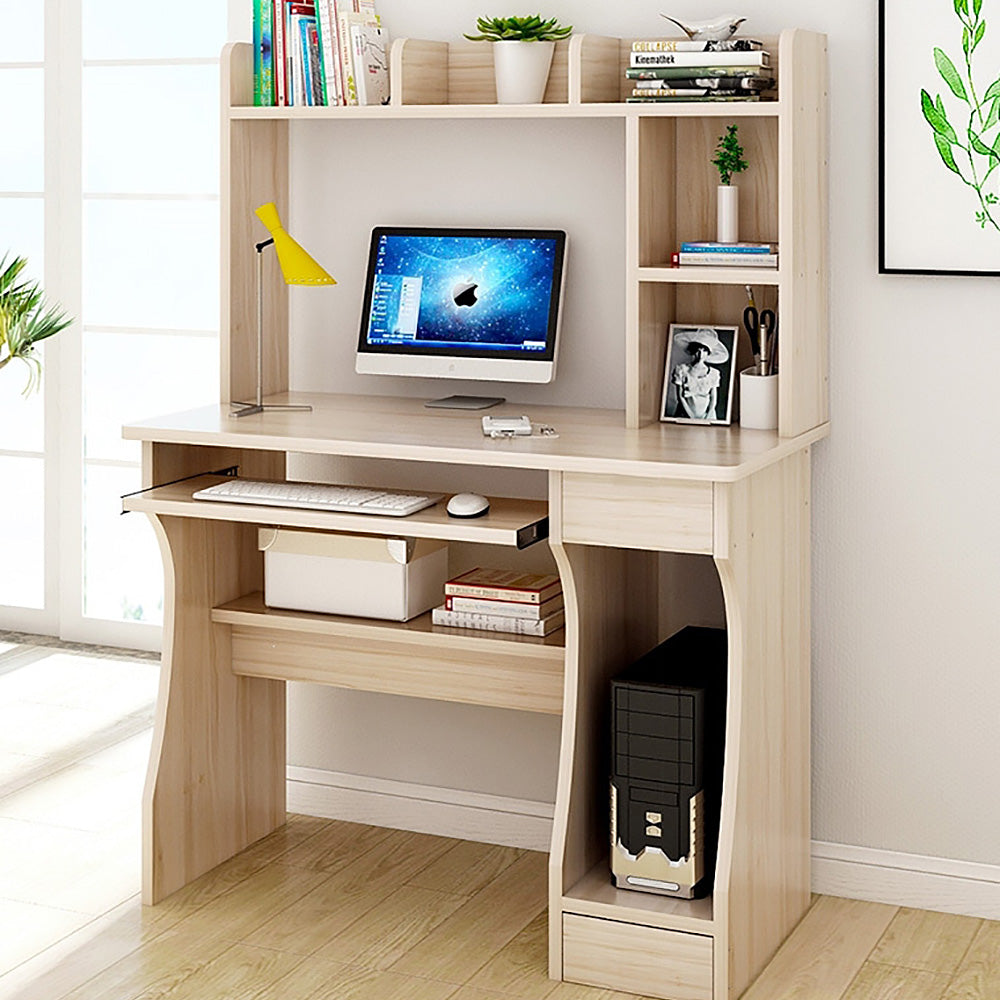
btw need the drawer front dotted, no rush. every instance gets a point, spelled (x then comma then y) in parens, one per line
(636, 959)
(631, 512)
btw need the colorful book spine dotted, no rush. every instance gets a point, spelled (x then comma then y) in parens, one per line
(699, 73)
(704, 82)
(715, 59)
(512, 609)
(280, 63)
(499, 585)
(346, 55)
(498, 623)
(707, 246)
(685, 45)
(263, 64)
(326, 13)
(729, 259)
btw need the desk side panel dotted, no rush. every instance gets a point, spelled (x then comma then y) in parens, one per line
(762, 875)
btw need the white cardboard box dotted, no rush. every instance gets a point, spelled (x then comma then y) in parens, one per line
(394, 578)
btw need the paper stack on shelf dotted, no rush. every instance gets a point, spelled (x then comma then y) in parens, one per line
(670, 69)
(728, 254)
(502, 601)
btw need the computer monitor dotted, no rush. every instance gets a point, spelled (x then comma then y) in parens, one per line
(462, 303)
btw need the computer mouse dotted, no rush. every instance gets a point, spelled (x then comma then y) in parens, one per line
(468, 505)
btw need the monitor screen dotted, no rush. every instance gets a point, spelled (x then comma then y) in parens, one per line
(462, 303)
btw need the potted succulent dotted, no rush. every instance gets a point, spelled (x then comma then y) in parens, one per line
(25, 320)
(522, 54)
(729, 160)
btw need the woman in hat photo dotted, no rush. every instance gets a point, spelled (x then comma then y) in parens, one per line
(699, 386)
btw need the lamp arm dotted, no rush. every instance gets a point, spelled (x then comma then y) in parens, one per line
(259, 247)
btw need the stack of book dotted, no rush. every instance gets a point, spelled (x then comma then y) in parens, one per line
(500, 600)
(668, 69)
(728, 254)
(319, 52)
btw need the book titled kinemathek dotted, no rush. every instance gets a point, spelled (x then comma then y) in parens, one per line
(504, 585)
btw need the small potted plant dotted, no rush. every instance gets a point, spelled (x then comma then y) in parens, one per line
(522, 54)
(25, 320)
(729, 160)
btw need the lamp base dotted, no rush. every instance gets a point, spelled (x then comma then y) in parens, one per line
(248, 409)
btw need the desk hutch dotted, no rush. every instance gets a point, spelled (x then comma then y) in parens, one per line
(636, 510)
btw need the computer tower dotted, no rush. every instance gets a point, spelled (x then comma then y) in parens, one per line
(667, 739)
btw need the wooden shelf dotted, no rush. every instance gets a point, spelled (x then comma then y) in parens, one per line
(708, 275)
(595, 896)
(516, 523)
(414, 658)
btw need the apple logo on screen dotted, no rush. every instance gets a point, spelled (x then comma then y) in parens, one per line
(464, 293)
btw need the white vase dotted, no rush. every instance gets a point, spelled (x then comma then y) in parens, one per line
(727, 215)
(521, 70)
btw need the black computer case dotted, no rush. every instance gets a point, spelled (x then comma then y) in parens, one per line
(667, 738)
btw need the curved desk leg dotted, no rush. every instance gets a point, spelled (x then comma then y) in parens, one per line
(216, 779)
(762, 876)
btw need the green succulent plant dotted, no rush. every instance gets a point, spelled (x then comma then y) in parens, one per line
(25, 319)
(729, 155)
(519, 29)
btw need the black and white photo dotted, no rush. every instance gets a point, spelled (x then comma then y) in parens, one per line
(698, 375)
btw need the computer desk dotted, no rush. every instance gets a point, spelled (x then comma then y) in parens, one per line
(627, 509)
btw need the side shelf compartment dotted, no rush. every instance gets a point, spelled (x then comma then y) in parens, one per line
(645, 960)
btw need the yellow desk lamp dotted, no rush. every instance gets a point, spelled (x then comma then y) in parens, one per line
(297, 268)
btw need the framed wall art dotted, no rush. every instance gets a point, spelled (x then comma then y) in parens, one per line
(698, 375)
(939, 137)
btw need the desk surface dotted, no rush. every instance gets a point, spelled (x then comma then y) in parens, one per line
(589, 440)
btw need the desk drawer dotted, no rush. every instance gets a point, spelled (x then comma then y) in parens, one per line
(636, 959)
(633, 512)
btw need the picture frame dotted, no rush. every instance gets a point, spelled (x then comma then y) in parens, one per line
(939, 185)
(688, 391)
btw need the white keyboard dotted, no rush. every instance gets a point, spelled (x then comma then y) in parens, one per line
(317, 496)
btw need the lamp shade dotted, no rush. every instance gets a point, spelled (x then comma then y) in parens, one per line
(296, 265)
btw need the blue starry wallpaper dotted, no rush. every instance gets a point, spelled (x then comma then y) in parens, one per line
(489, 293)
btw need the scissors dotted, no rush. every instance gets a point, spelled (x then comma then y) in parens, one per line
(762, 327)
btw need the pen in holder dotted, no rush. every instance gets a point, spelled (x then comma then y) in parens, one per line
(758, 399)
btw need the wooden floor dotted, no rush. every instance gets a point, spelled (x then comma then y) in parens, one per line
(324, 909)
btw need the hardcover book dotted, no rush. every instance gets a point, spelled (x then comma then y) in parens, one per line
(498, 623)
(717, 59)
(686, 45)
(689, 72)
(513, 609)
(504, 585)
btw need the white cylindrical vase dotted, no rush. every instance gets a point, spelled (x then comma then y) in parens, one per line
(521, 70)
(758, 400)
(727, 215)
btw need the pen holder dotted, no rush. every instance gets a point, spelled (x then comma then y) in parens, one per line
(758, 400)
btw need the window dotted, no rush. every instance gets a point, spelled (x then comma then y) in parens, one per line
(111, 191)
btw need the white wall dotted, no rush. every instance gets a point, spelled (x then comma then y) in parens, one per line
(906, 533)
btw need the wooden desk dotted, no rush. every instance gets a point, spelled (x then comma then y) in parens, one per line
(628, 510)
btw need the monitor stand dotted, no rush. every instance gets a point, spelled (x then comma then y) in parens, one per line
(465, 402)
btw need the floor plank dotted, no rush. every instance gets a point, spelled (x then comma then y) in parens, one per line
(466, 868)
(892, 982)
(473, 934)
(978, 975)
(919, 939)
(825, 952)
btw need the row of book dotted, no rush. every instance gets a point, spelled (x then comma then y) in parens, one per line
(500, 600)
(707, 252)
(670, 69)
(310, 53)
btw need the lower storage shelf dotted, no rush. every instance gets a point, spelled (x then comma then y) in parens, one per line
(636, 959)
(594, 895)
(413, 658)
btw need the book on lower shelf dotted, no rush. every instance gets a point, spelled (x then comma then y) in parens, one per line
(504, 585)
(514, 609)
(499, 623)
(724, 259)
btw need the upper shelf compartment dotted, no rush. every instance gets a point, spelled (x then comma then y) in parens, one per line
(440, 78)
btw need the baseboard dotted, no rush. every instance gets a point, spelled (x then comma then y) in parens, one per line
(925, 883)
(447, 812)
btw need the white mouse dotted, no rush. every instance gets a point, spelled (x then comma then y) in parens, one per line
(468, 505)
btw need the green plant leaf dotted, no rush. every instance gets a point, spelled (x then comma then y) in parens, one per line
(944, 148)
(977, 6)
(980, 31)
(980, 147)
(966, 40)
(936, 117)
(950, 75)
(958, 7)
(993, 117)
(963, 7)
